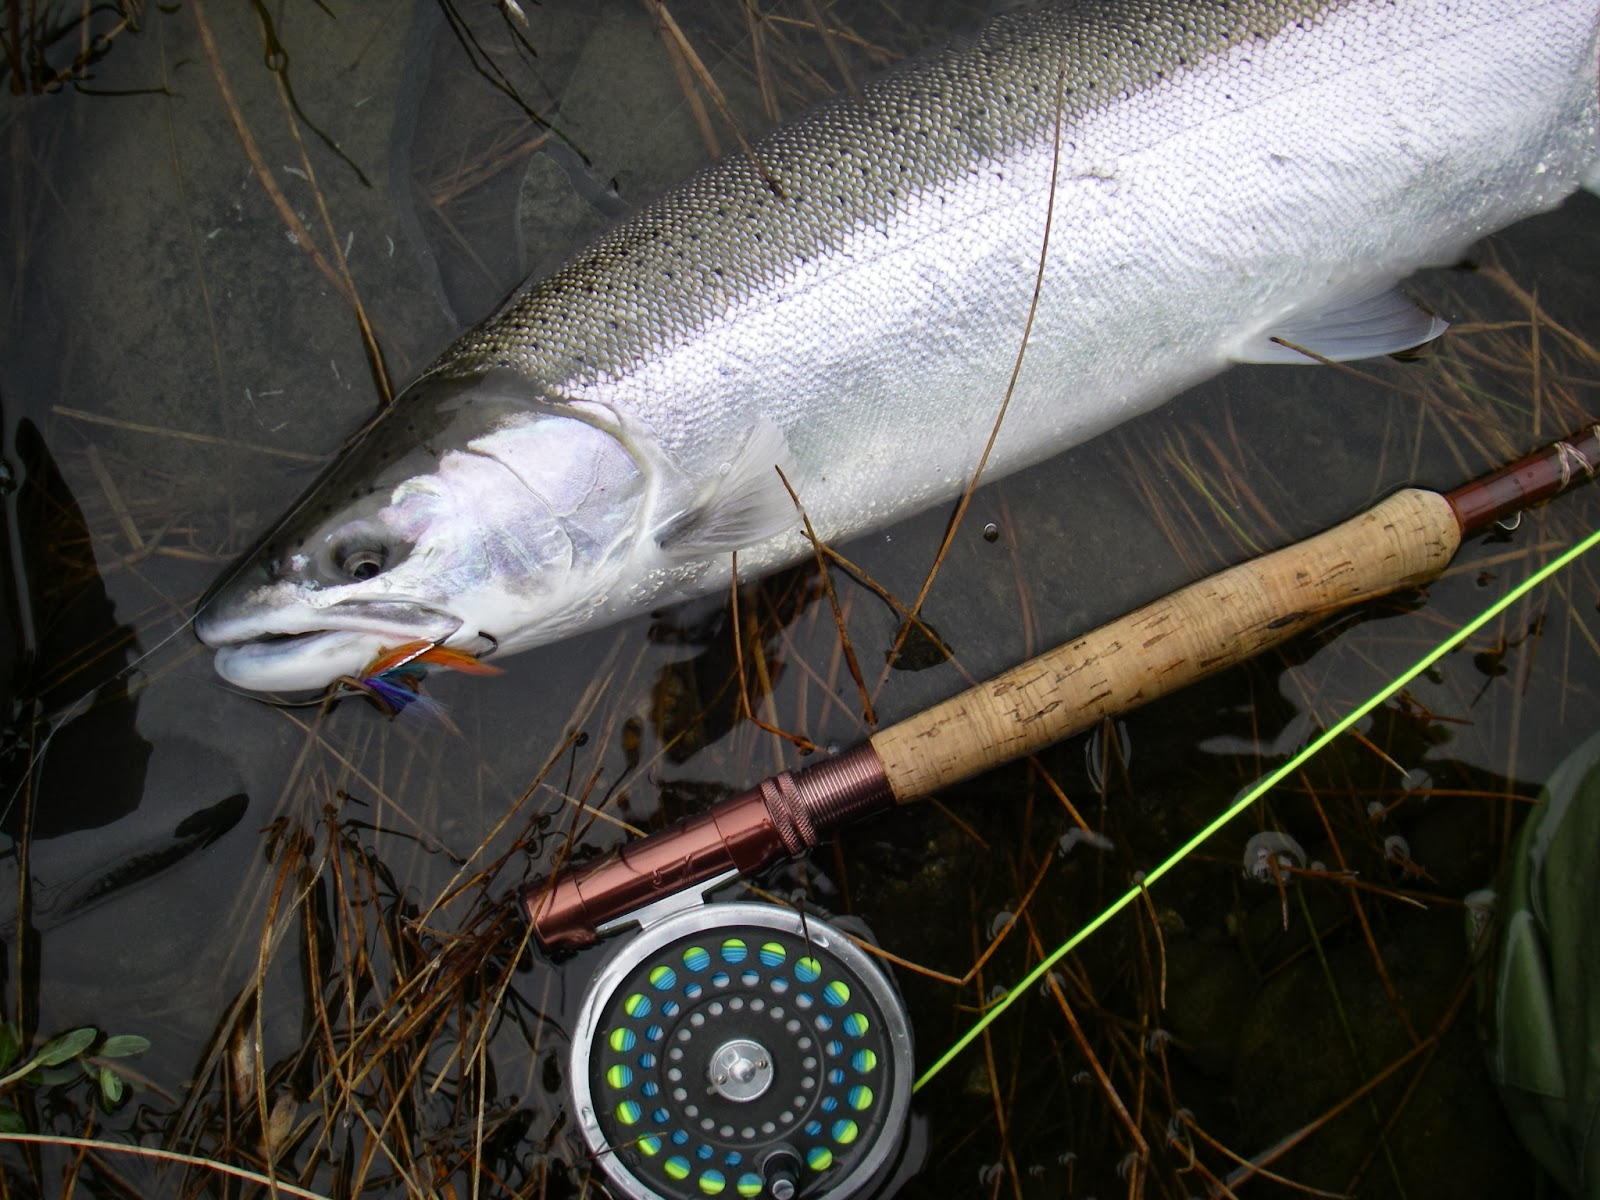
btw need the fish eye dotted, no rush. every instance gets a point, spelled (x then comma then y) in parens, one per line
(360, 563)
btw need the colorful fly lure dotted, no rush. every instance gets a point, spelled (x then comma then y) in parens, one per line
(393, 680)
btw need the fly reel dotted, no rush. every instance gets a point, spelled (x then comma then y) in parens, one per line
(741, 1049)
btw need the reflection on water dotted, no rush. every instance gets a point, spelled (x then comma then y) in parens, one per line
(68, 712)
(299, 907)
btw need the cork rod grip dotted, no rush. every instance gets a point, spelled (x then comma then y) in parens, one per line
(1219, 621)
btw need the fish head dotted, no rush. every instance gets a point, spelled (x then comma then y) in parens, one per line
(467, 515)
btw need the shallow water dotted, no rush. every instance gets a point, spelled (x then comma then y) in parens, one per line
(175, 367)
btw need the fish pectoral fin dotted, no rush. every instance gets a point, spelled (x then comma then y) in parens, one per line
(1364, 325)
(746, 503)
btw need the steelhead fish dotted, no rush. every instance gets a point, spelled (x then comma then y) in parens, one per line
(845, 304)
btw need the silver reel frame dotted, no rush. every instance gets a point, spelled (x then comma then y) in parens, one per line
(688, 913)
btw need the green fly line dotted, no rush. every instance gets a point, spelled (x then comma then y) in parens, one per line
(1260, 789)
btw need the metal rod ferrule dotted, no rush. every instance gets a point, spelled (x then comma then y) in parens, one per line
(778, 818)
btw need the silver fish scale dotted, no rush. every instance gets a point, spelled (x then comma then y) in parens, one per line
(1219, 163)
(1213, 174)
(741, 228)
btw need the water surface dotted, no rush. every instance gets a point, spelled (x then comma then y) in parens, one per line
(258, 890)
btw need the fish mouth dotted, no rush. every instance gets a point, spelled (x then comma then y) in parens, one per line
(293, 660)
(299, 661)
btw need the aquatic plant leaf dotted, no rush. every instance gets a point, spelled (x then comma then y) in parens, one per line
(11, 1121)
(51, 1076)
(8, 1044)
(281, 1121)
(111, 1087)
(67, 1046)
(122, 1045)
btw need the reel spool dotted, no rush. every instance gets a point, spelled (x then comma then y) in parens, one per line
(741, 1049)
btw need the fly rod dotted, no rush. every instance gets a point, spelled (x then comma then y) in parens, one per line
(1404, 541)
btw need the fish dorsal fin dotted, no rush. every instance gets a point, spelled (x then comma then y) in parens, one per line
(1363, 324)
(745, 503)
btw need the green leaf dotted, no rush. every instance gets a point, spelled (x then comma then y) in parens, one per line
(123, 1045)
(9, 1044)
(110, 1087)
(50, 1076)
(11, 1121)
(66, 1047)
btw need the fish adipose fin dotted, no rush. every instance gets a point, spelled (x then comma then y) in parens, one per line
(745, 504)
(1367, 325)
